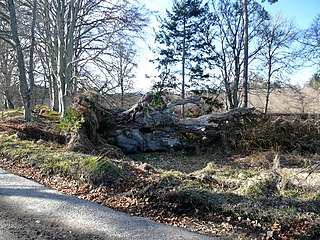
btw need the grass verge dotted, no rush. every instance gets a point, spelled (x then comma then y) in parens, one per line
(52, 159)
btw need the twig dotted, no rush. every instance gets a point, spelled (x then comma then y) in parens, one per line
(313, 170)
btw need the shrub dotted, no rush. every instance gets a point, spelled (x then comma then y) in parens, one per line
(99, 170)
(71, 121)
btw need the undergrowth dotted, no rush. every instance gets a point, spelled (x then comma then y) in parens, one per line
(279, 134)
(52, 159)
(71, 121)
(250, 192)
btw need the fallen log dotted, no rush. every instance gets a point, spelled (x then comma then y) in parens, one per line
(143, 128)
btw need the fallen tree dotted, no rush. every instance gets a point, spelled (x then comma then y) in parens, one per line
(144, 128)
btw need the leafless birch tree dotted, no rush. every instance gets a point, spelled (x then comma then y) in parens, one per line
(279, 55)
(228, 45)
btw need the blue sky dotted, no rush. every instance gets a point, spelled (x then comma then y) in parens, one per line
(302, 12)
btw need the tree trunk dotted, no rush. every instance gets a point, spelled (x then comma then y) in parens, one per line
(236, 81)
(24, 87)
(61, 11)
(245, 57)
(50, 57)
(121, 74)
(229, 100)
(32, 46)
(268, 86)
(54, 93)
(8, 100)
(183, 66)
(66, 31)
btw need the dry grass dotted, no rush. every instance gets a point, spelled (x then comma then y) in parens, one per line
(288, 100)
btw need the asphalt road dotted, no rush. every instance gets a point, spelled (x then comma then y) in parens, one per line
(29, 210)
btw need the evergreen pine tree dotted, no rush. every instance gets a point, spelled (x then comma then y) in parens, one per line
(181, 46)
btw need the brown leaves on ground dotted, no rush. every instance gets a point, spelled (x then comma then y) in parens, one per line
(120, 197)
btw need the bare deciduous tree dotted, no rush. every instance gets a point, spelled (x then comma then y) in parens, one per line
(7, 72)
(246, 50)
(311, 42)
(76, 44)
(278, 55)
(228, 46)
(25, 90)
(123, 66)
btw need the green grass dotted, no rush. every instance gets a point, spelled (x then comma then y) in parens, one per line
(14, 114)
(53, 159)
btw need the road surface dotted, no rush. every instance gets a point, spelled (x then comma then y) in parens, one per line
(29, 210)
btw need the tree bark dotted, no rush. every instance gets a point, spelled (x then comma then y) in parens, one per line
(8, 100)
(246, 55)
(268, 86)
(183, 66)
(61, 11)
(24, 87)
(32, 46)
